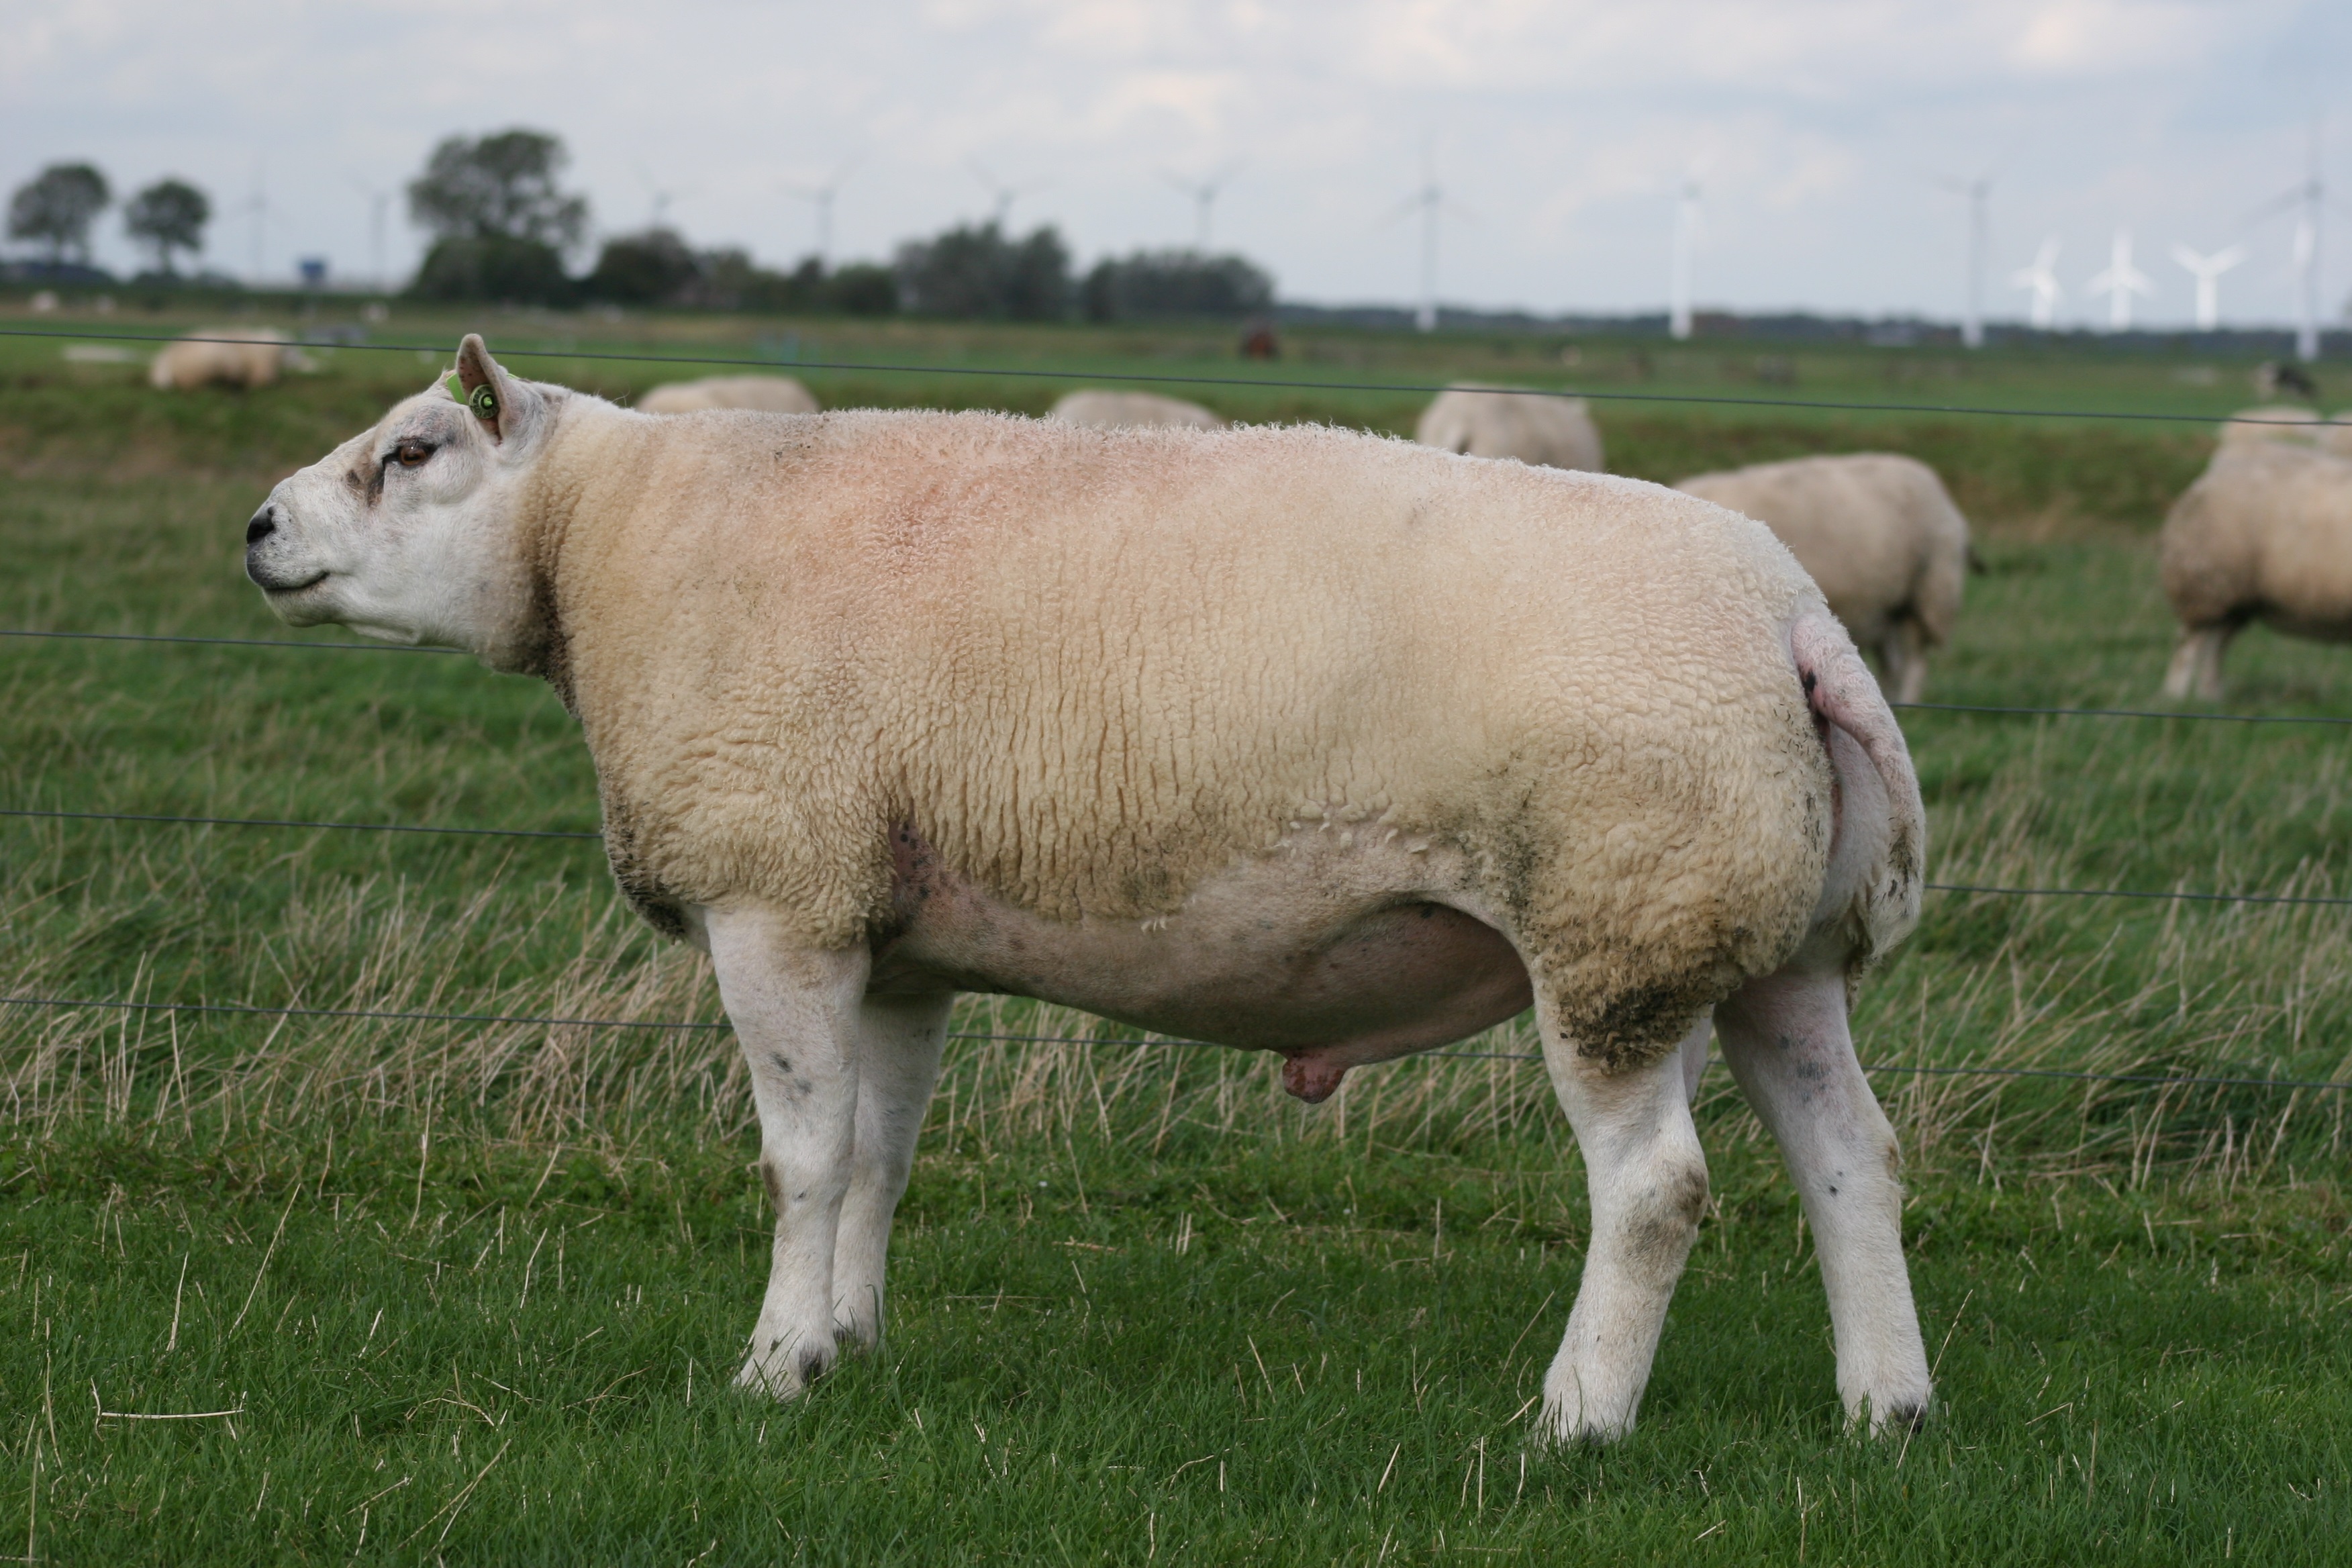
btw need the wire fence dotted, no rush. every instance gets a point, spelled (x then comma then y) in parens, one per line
(1598, 394)
(583, 833)
(1140, 1043)
(1092, 373)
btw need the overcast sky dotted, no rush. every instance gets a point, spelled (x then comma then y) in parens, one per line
(1817, 129)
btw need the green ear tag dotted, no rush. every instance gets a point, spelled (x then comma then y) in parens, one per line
(481, 400)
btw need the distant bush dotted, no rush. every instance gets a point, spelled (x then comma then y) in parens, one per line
(1176, 283)
(977, 272)
(493, 267)
(650, 269)
(657, 268)
(864, 289)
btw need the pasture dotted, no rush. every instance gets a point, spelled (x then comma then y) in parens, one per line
(475, 1292)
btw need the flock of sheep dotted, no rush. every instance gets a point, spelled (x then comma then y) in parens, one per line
(2265, 534)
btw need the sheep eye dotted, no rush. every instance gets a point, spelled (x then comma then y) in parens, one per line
(411, 454)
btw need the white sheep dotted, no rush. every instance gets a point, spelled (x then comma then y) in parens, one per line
(764, 394)
(1099, 410)
(255, 357)
(2280, 422)
(1879, 533)
(1534, 426)
(2265, 534)
(2292, 425)
(1291, 739)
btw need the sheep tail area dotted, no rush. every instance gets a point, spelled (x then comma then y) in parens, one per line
(1879, 852)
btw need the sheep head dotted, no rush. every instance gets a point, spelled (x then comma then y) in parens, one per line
(412, 532)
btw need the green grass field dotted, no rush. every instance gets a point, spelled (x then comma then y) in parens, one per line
(1145, 1308)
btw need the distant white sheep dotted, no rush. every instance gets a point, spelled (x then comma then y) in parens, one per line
(2293, 425)
(1533, 426)
(258, 359)
(2265, 534)
(2278, 422)
(1880, 535)
(762, 394)
(1098, 410)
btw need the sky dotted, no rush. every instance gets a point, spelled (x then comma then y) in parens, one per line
(1824, 135)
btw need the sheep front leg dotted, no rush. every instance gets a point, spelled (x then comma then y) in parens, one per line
(1648, 1181)
(1786, 1041)
(898, 1064)
(797, 1015)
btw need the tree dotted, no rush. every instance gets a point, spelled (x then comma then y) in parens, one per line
(1176, 283)
(498, 187)
(976, 271)
(167, 217)
(56, 208)
(501, 224)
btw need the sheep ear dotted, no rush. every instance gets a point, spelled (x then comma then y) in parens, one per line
(506, 406)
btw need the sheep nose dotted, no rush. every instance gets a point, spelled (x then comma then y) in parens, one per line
(264, 524)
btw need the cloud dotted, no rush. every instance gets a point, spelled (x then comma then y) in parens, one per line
(1562, 124)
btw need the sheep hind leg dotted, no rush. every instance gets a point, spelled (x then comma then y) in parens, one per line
(798, 1014)
(898, 1064)
(1786, 1041)
(1648, 1182)
(2196, 667)
(1903, 658)
(1693, 1053)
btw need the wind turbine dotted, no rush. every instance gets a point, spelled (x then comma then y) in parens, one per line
(379, 201)
(2207, 270)
(2042, 277)
(1678, 283)
(658, 214)
(1005, 194)
(821, 199)
(257, 207)
(2309, 194)
(1203, 193)
(2120, 281)
(1979, 193)
(1429, 200)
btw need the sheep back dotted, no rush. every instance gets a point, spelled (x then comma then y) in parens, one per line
(1535, 427)
(2266, 533)
(1099, 410)
(1877, 530)
(190, 363)
(760, 394)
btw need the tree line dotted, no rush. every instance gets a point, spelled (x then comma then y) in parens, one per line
(501, 225)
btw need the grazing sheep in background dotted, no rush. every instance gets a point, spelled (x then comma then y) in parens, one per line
(1131, 411)
(1535, 427)
(1878, 533)
(2273, 378)
(189, 364)
(2289, 425)
(2277, 422)
(2265, 534)
(1291, 739)
(760, 394)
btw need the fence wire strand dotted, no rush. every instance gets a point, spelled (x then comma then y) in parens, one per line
(70, 1004)
(1161, 378)
(156, 818)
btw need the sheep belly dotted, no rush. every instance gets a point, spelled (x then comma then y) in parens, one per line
(1333, 956)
